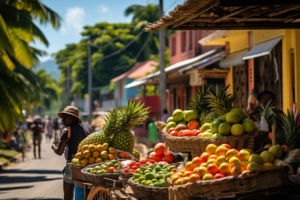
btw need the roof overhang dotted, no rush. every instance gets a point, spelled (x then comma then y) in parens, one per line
(231, 15)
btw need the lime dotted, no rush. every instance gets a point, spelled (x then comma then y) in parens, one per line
(215, 125)
(136, 175)
(223, 117)
(149, 176)
(110, 164)
(116, 171)
(178, 115)
(190, 115)
(163, 183)
(239, 112)
(149, 182)
(248, 125)
(224, 128)
(139, 171)
(170, 119)
(116, 165)
(157, 169)
(143, 168)
(207, 134)
(151, 166)
(160, 165)
(216, 136)
(166, 166)
(167, 175)
(237, 129)
(205, 127)
(158, 177)
(233, 118)
(151, 185)
(114, 161)
(142, 178)
(154, 180)
(147, 171)
(157, 184)
(144, 182)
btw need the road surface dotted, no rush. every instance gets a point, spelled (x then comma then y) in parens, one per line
(34, 179)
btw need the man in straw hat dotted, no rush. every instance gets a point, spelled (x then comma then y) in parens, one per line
(71, 136)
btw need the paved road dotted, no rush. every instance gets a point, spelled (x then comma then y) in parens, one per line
(34, 179)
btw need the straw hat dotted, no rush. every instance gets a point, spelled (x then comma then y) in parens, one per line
(70, 110)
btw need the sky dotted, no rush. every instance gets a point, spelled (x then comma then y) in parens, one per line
(77, 13)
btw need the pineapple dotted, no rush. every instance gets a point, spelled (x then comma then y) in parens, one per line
(129, 116)
(95, 138)
(197, 102)
(136, 154)
(290, 130)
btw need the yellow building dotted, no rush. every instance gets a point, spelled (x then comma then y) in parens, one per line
(269, 55)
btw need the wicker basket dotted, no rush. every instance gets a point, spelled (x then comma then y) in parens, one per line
(146, 192)
(197, 145)
(246, 183)
(75, 171)
(97, 178)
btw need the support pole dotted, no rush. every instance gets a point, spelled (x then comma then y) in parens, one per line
(68, 84)
(90, 81)
(162, 63)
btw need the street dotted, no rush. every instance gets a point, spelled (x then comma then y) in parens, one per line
(34, 179)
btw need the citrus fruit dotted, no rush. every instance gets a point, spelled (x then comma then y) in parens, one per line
(178, 115)
(216, 136)
(95, 154)
(224, 168)
(185, 180)
(182, 123)
(207, 134)
(231, 153)
(234, 161)
(212, 157)
(178, 181)
(237, 129)
(244, 164)
(204, 156)
(248, 125)
(212, 169)
(267, 156)
(205, 127)
(84, 161)
(189, 166)
(243, 155)
(190, 115)
(194, 124)
(99, 148)
(211, 148)
(239, 112)
(276, 161)
(253, 166)
(221, 151)
(220, 160)
(111, 150)
(236, 170)
(249, 150)
(105, 146)
(203, 165)
(104, 154)
(223, 117)
(196, 162)
(170, 125)
(224, 128)
(215, 125)
(111, 156)
(149, 176)
(91, 160)
(187, 173)
(256, 158)
(208, 176)
(218, 175)
(233, 118)
(170, 119)
(98, 160)
(276, 150)
(194, 178)
(200, 171)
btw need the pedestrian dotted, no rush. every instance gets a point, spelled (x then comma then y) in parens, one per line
(71, 136)
(153, 135)
(49, 128)
(164, 118)
(55, 127)
(37, 129)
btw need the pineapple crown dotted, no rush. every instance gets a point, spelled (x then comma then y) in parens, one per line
(110, 126)
(131, 115)
(197, 101)
(218, 99)
(291, 131)
(268, 112)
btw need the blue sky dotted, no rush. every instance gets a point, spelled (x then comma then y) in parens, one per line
(77, 13)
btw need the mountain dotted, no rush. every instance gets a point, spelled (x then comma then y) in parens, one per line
(51, 68)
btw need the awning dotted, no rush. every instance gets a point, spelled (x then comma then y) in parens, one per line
(203, 63)
(234, 59)
(172, 68)
(262, 49)
(136, 83)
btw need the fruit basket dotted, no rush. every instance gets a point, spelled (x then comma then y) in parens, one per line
(197, 145)
(142, 191)
(97, 178)
(75, 171)
(245, 183)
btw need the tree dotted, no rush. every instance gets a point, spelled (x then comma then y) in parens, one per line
(18, 84)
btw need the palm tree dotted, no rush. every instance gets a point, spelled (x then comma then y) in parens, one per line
(19, 86)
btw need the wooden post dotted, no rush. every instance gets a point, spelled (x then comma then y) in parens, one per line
(162, 63)
(273, 134)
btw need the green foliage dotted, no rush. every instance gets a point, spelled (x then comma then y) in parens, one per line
(290, 130)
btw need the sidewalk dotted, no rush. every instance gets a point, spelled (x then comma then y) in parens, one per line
(34, 179)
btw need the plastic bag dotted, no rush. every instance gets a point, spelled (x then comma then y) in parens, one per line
(264, 125)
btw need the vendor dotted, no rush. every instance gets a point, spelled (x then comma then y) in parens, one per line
(71, 136)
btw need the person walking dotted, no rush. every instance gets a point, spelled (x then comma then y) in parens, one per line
(49, 127)
(55, 127)
(153, 135)
(37, 129)
(71, 136)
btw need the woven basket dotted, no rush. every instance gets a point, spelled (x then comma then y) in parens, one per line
(146, 192)
(97, 178)
(197, 145)
(75, 171)
(246, 183)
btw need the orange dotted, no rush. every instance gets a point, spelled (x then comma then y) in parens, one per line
(203, 165)
(189, 166)
(231, 153)
(184, 180)
(221, 151)
(244, 164)
(201, 171)
(213, 161)
(196, 162)
(194, 178)
(211, 148)
(226, 145)
(111, 156)
(220, 160)
(204, 156)
(212, 169)
(212, 157)
(234, 162)
(187, 173)
(208, 176)
(224, 168)
(179, 181)
(175, 178)
(243, 155)
(236, 170)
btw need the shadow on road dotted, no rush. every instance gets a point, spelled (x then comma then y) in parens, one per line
(16, 188)
(15, 171)
(22, 179)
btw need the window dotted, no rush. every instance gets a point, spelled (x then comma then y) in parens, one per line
(174, 46)
(183, 48)
(191, 41)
